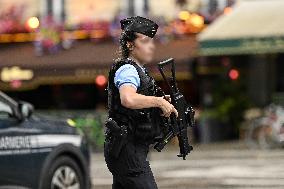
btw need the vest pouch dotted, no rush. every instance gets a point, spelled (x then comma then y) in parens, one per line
(144, 129)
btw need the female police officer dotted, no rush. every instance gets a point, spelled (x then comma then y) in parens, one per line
(131, 102)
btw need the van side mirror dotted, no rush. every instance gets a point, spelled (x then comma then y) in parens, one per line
(25, 109)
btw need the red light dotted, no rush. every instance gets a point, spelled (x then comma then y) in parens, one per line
(101, 80)
(234, 74)
(16, 84)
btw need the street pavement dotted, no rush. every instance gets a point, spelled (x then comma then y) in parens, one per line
(209, 166)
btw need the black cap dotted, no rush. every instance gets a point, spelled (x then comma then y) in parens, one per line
(139, 24)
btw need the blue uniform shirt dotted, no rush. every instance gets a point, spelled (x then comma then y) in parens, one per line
(127, 74)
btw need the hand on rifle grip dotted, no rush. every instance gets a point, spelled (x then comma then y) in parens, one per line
(166, 107)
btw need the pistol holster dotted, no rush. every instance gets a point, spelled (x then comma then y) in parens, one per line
(116, 137)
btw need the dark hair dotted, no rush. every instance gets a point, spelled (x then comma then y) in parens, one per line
(123, 51)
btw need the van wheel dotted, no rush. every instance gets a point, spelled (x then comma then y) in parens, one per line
(64, 173)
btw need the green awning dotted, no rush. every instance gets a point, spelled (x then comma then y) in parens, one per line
(252, 27)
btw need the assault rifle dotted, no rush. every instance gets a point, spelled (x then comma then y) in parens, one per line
(176, 126)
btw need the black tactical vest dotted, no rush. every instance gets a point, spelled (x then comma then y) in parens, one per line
(140, 121)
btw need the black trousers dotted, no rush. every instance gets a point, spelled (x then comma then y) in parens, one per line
(131, 170)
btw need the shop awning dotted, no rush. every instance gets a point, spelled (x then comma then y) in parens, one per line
(252, 27)
(80, 64)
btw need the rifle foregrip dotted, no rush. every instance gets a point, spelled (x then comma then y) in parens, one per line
(164, 141)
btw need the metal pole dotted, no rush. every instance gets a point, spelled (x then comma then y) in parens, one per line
(131, 10)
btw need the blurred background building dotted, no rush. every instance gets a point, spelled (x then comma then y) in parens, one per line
(229, 57)
(69, 46)
(56, 54)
